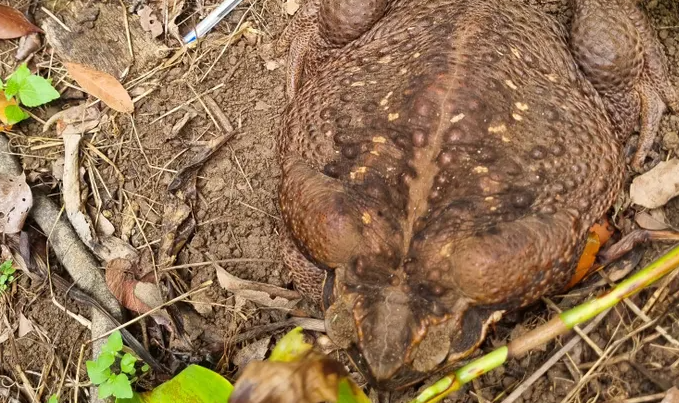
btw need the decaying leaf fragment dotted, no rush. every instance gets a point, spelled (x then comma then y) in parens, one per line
(657, 186)
(149, 22)
(16, 200)
(13, 23)
(101, 85)
(296, 372)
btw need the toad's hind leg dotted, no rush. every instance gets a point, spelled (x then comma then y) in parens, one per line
(615, 46)
(307, 277)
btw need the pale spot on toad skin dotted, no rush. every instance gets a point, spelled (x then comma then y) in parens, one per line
(379, 139)
(373, 152)
(366, 218)
(511, 84)
(393, 116)
(457, 118)
(358, 84)
(416, 55)
(506, 139)
(553, 77)
(516, 53)
(517, 117)
(497, 129)
(359, 170)
(446, 250)
(384, 60)
(403, 71)
(386, 98)
(481, 169)
(493, 208)
(489, 198)
(521, 106)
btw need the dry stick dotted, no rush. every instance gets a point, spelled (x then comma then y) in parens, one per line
(641, 399)
(554, 359)
(173, 110)
(208, 263)
(610, 350)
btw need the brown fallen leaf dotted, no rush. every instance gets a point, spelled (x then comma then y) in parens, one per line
(13, 23)
(16, 200)
(138, 295)
(4, 103)
(313, 379)
(101, 85)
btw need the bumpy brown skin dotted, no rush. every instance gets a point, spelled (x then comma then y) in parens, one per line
(442, 163)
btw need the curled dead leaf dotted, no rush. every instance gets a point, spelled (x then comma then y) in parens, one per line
(16, 200)
(101, 85)
(138, 295)
(13, 23)
(653, 220)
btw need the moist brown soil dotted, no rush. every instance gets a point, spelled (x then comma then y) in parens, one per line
(237, 218)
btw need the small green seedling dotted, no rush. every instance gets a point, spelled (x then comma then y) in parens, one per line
(6, 275)
(26, 89)
(53, 399)
(101, 371)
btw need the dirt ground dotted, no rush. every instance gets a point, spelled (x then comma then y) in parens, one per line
(237, 218)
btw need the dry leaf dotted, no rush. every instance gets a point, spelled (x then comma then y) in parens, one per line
(16, 200)
(13, 23)
(291, 6)
(653, 220)
(25, 326)
(3, 104)
(255, 351)
(28, 45)
(101, 85)
(133, 293)
(313, 379)
(672, 396)
(657, 186)
(259, 293)
(149, 22)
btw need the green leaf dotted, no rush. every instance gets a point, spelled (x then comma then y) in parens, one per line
(15, 114)
(6, 265)
(107, 388)
(291, 347)
(3, 278)
(114, 343)
(106, 359)
(121, 387)
(195, 384)
(349, 393)
(97, 374)
(127, 363)
(145, 368)
(16, 81)
(53, 399)
(37, 91)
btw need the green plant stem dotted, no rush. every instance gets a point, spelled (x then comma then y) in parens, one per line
(559, 325)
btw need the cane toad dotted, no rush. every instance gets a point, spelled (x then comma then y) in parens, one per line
(443, 161)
